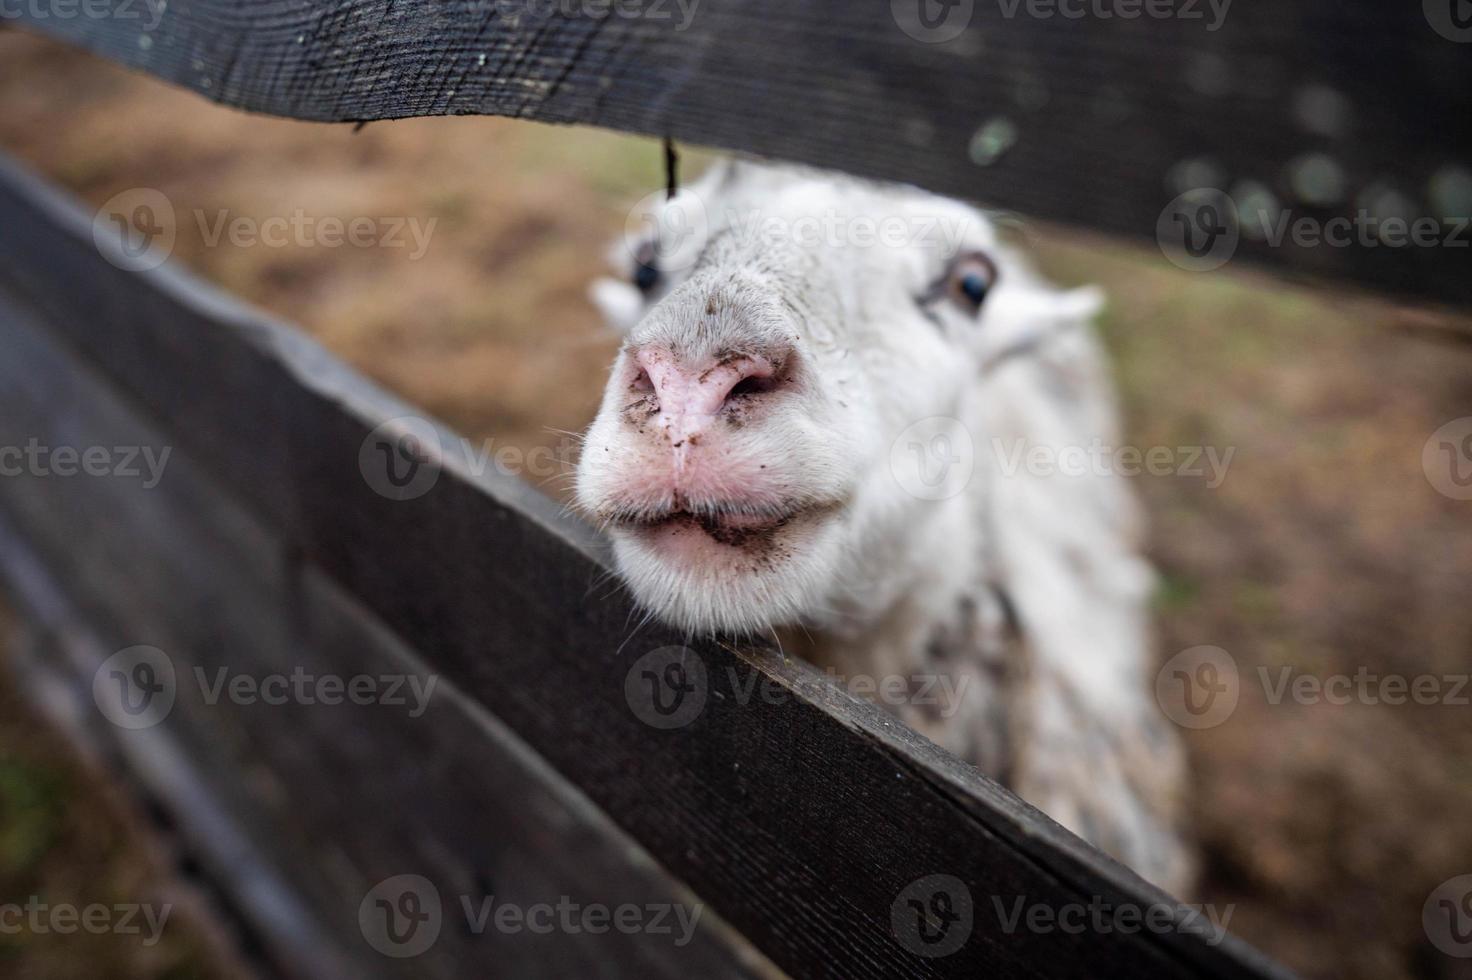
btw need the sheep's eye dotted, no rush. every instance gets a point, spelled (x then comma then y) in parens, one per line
(971, 279)
(975, 287)
(646, 277)
(646, 272)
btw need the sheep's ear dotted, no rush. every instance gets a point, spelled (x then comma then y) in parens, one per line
(1029, 320)
(1038, 307)
(620, 302)
(1083, 303)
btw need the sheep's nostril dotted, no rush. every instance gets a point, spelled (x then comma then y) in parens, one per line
(751, 385)
(687, 392)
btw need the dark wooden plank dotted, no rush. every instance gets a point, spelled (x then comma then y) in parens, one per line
(302, 808)
(1329, 107)
(801, 819)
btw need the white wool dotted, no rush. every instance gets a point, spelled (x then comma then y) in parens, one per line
(1028, 585)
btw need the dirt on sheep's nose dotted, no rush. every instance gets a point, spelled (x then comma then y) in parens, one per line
(685, 397)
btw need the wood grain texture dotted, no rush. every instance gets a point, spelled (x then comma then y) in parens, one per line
(796, 813)
(297, 811)
(1098, 120)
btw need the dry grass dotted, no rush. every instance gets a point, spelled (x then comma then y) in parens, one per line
(1324, 549)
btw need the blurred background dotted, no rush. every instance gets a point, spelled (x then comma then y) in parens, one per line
(1326, 549)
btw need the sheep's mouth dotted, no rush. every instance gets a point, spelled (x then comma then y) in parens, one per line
(733, 527)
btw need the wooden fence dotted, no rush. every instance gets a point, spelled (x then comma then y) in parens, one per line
(807, 828)
(796, 821)
(1328, 108)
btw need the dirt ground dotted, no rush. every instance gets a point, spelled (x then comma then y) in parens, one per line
(1325, 549)
(68, 839)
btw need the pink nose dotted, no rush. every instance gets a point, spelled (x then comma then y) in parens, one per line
(691, 395)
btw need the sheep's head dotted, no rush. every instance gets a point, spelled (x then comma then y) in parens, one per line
(782, 328)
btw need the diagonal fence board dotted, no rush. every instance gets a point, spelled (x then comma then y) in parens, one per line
(798, 819)
(1329, 108)
(332, 798)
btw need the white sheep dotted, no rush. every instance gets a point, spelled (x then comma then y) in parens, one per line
(831, 422)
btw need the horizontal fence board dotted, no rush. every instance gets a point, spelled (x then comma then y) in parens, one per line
(330, 798)
(1095, 120)
(800, 819)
